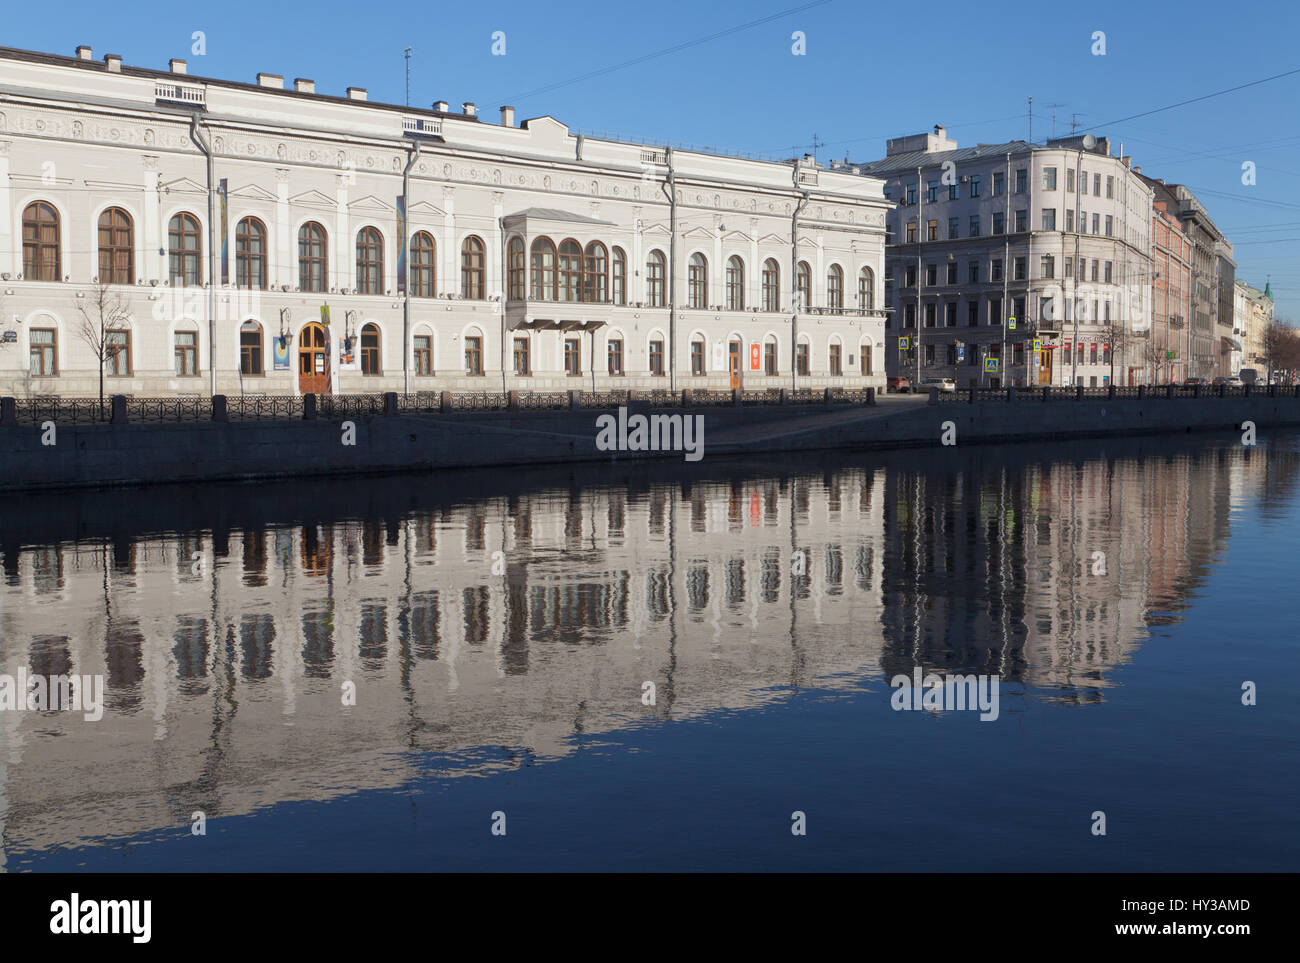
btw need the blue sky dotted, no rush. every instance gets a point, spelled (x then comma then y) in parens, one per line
(868, 73)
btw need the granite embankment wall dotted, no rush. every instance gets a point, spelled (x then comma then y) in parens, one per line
(99, 455)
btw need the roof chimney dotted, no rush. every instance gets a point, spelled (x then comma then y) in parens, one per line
(1138, 170)
(507, 117)
(939, 130)
(83, 53)
(274, 81)
(304, 86)
(177, 66)
(809, 159)
(469, 108)
(440, 106)
(356, 93)
(113, 62)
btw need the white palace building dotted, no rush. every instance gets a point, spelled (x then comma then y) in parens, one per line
(208, 236)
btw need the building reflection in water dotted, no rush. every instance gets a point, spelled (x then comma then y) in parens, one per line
(519, 620)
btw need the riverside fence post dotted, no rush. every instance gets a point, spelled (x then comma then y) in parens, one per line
(309, 407)
(219, 408)
(8, 412)
(118, 409)
(390, 404)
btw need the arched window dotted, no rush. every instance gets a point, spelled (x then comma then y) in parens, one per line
(185, 249)
(370, 349)
(543, 287)
(116, 247)
(654, 278)
(570, 270)
(516, 269)
(697, 281)
(250, 348)
(595, 274)
(835, 288)
(866, 290)
(618, 276)
(370, 261)
(735, 283)
(312, 251)
(421, 273)
(771, 285)
(41, 242)
(250, 254)
(471, 268)
(805, 286)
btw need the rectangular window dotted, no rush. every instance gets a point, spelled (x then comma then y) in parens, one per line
(950, 314)
(1069, 179)
(801, 358)
(423, 354)
(1049, 178)
(1022, 180)
(974, 225)
(932, 230)
(186, 353)
(931, 314)
(769, 358)
(911, 193)
(573, 357)
(1095, 264)
(999, 183)
(954, 228)
(1110, 186)
(864, 360)
(1096, 185)
(1110, 226)
(657, 358)
(1069, 267)
(1069, 221)
(911, 232)
(614, 355)
(932, 274)
(837, 366)
(974, 272)
(1047, 310)
(999, 222)
(1096, 223)
(473, 355)
(975, 185)
(1092, 353)
(954, 192)
(43, 362)
(909, 276)
(1021, 267)
(1018, 352)
(1047, 266)
(952, 272)
(929, 355)
(995, 269)
(1049, 219)
(1022, 221)
(117, 353)
(972, 313)
(909, 314)
(523, 366)
(1105, 353)
(1018, 308)
(697, 357)
(932, 193)
(1108, 271)
(1083, 182)
(1106, 316)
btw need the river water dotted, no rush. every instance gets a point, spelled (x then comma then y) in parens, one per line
(668, 666)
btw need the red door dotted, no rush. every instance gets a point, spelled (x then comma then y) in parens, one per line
(313, 360)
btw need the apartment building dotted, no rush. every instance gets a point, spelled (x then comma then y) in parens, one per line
(1016, 263)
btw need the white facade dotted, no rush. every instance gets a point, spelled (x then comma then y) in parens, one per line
(86, 145)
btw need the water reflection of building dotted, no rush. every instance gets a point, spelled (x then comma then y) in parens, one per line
(224, 650)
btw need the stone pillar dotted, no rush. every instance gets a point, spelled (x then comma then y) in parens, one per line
(219, 408)
(390, 404)
(575, 399)
(309, 407)
(119, 409)
(8, 412)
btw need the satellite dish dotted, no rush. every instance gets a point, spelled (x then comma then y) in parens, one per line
(1089, 141)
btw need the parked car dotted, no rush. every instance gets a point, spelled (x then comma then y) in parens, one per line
(1196, 381)
(898, 383)
(1232, 381)
(1249, 375)
(943, 384)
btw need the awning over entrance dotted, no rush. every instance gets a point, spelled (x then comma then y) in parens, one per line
(543, 324)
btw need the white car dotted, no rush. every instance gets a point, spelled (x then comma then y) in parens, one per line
(943, 384)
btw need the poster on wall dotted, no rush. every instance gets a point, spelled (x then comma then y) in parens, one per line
(280, 353)
(719, 356)
(347, 360)
(755, 357)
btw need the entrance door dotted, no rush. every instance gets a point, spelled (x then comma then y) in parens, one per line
(733, 364)
(313, 360)
(1045, 369)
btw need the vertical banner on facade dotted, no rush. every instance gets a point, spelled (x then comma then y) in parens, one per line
(328, 365)
(755, 357)
(401, 243)
(280, 356)
(223, 193)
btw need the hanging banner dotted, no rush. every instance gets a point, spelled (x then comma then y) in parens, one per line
(280, 353)
(401, 243)
(755, 357)
(719, 356)
(223, 193)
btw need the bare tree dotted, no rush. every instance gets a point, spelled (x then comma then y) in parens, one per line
(103, 313)
(1281, 348)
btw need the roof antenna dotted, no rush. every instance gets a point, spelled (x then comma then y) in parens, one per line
(407, 55)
